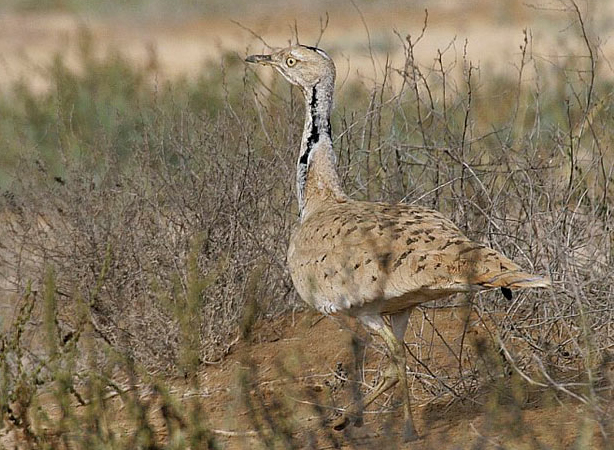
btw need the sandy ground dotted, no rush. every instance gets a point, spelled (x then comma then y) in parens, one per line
(291, 364)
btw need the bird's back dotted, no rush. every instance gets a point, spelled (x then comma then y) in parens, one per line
(355, 256)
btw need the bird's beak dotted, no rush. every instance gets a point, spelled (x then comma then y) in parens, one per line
(260, 59)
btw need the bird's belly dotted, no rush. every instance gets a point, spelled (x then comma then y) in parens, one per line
(330, 290)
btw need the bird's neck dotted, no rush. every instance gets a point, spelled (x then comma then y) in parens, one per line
(316, 176)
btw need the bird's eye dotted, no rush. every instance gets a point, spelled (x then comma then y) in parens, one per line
(290, 62)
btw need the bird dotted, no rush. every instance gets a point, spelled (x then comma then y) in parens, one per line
(372, 260)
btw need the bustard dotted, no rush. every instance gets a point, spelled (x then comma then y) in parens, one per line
(370, 260)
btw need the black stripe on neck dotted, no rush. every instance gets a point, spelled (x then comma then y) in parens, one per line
(314, 135)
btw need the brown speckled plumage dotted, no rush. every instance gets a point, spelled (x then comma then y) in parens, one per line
(369, 260)
(350, 256)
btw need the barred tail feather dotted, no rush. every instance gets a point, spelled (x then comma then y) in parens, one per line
(516, 279)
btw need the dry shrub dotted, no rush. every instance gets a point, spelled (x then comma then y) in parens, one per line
(118, 225)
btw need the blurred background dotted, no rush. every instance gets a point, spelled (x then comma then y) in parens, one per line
(183, 34)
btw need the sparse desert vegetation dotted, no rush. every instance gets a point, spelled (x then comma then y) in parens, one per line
(145, 300)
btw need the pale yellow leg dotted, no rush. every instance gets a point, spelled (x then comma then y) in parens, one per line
(397, 356)
(389, 379)
(395, 372)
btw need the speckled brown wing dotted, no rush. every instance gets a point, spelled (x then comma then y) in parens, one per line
(354, 255)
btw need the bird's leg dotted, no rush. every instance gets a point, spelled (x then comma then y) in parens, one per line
(394, 340)
(397, 357)
(399, 322)
(389, 379)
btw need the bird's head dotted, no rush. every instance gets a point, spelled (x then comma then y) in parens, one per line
(300, 65)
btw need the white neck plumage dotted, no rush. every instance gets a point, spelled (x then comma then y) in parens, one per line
(316, 136)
